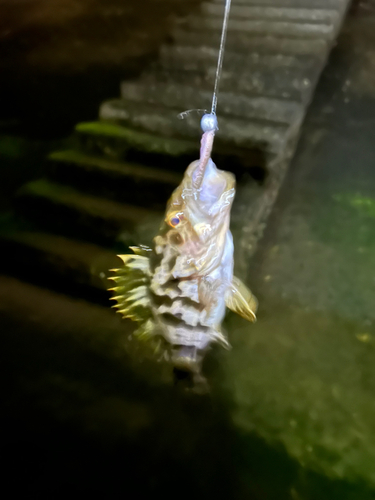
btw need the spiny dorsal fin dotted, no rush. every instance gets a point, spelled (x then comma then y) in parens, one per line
(135, 262)
(240, 300)
(142, 250)
(132, 283)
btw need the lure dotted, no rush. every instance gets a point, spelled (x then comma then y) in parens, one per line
(178, 290)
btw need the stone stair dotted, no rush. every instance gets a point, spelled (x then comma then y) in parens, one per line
(117, 180)
(74, 267)
(79, 214)
(110, 191)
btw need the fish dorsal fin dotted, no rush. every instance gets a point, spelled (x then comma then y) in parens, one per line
(142, 250)
(132, 281)
(240, 300)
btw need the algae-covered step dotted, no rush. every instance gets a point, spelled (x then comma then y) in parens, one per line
(236, 132)
(68, 211)
(120, 143)
(123, 181)
(113, 140)
(61, 263)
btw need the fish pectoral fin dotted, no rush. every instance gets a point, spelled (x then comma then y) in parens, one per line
(239, 299)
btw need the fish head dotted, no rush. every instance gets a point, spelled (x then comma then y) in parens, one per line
(197, 220)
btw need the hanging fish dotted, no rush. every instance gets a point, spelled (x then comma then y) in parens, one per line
(178, 291)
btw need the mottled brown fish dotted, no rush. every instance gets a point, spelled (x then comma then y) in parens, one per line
(178, 291)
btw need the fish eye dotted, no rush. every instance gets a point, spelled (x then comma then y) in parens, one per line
(174, 220)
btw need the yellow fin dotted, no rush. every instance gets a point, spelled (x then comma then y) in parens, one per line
(131, 290)
(126, 257)
(220, 338)
(240, 300)
(142, 250)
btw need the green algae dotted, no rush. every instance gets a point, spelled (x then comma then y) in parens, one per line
(139, 140)
(344, 220)
(301, 384)
(364, 205)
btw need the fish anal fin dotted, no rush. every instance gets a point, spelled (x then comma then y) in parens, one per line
(221, 339)
(239, 299)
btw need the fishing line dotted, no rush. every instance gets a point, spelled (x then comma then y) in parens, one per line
(209, 121)
(221, 56)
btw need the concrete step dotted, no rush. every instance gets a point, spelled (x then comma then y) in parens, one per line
(280, 76)
(308, 4)
(122, 181)
(177, 96)
(269, 136)
(125, 144)
(64, 210)
(196, 58)
(287, 84)
(63, 264)
(248, 42)
(130, 145)
(265, 27)
(273, 12)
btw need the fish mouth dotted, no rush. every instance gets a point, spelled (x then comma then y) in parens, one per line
(212, 187)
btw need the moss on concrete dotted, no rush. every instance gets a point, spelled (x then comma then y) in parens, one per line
(138, 140)
(303, 380)
(364, 205)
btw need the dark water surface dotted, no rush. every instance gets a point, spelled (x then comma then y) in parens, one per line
(291, 414)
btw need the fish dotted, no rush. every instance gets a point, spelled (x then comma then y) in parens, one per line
(178, 290)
